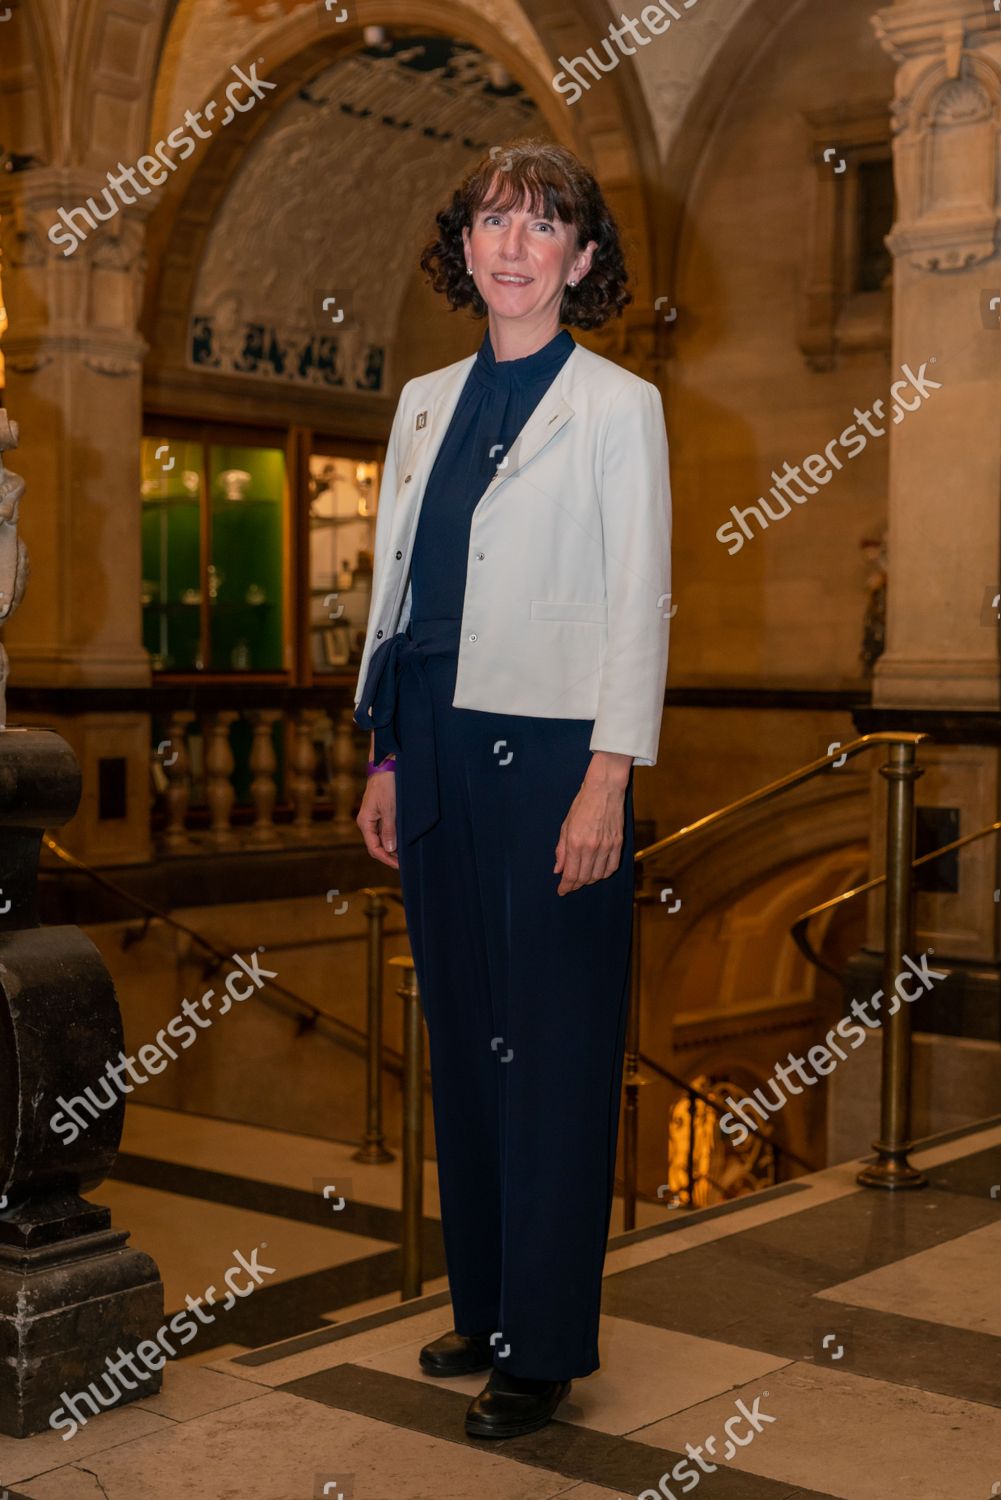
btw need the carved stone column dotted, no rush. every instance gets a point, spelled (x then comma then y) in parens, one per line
(945, 457)
(73, 360)
(943, 656)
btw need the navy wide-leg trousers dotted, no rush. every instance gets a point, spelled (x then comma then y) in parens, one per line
(525, 995)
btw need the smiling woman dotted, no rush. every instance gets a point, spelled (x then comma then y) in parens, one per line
(513, 674)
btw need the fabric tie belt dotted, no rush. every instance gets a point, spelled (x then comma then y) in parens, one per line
(407, 652)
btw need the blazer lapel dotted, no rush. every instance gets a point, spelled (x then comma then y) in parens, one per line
(551, 414)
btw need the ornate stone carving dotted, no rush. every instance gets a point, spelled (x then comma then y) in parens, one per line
(13, 553)
(946, 122)
(108, 364)
(947, 138)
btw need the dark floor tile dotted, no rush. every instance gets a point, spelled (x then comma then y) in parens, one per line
(578, 1453)
(367, 1219)
(758, 1289)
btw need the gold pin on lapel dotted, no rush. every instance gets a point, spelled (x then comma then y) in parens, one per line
(422, 420)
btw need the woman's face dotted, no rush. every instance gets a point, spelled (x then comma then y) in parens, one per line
(521, 261)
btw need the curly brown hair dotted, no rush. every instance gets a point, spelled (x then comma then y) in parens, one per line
(558, 185)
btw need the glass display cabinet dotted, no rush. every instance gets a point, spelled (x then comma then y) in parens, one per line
(256, 550)
(213, 555)
(342, 495)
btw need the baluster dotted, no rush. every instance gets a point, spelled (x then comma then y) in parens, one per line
(175, 838)
(302, 782)
(263, 788)
(344, 780)
(219, 792)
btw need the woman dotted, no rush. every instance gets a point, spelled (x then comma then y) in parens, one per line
(513, 674)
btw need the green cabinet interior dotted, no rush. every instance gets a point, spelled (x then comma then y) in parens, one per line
(244, 572)
(246, 552)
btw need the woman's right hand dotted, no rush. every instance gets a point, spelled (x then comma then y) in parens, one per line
(377, 818)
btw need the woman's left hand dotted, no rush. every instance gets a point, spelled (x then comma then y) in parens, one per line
(590, 842)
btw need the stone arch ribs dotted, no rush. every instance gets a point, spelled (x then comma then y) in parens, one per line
(610, 128)
(31, 83)
(716, 79)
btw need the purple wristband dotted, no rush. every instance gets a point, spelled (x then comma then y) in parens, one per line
(389, 764)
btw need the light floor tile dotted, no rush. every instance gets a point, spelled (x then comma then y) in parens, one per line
(193, 1241)
(278, 1447)
(645, 1373)
(189, 1392)
(850, 1436)
(20, 1458)
(70, 1483)
(749, 1216)
(297, 1161)
(945, 1284)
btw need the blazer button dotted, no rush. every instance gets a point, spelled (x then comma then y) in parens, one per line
(399, 554)
(378, 635)
(472, 637)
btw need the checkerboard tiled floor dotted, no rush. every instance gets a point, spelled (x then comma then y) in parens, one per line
(861, 1328)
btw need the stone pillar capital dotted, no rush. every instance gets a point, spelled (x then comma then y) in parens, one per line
(946, 119)
(912, 29)
(81, 295)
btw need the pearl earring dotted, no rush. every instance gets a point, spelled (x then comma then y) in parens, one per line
(571, 282)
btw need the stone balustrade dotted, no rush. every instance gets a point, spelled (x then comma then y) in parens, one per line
(305, 778)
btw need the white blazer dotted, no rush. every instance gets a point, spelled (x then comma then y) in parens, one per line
(566, 612)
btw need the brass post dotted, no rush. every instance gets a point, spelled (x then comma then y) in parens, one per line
(692, 1106)
(413, 1130)
(892, 1169)
(630, 1123)
(373, 1149)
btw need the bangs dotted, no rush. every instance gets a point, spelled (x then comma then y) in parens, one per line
(526, 180)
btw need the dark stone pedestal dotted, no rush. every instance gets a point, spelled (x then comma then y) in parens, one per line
(72, 1294)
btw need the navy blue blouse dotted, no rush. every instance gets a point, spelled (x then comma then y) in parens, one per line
(496, 401)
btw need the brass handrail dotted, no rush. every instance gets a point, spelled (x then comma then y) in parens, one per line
(774, 788)
(308, 1016)
(798, 930)
(892, 1169)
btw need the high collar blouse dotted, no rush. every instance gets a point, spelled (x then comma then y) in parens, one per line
(496, 401)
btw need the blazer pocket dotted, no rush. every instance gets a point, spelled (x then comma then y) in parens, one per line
(549, 609)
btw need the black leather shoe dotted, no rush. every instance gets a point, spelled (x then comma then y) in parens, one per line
(510, 1405)
(457, 1354)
